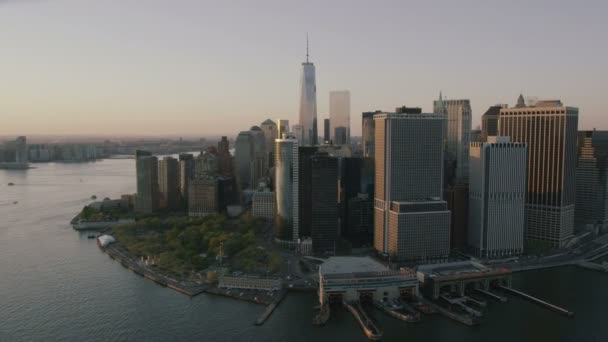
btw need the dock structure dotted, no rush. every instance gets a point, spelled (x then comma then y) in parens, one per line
(538, 301)
(456, 277)
(270, 308)
(370, 329)
(492, 295)
(354, 279)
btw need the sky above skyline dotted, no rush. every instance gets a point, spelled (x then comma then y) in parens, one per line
(195, 67)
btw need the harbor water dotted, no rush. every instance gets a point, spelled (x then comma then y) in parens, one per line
(56, 285)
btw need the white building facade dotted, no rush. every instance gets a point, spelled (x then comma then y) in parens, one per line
(497, 197)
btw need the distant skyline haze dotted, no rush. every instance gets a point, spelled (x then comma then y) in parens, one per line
(204, 68)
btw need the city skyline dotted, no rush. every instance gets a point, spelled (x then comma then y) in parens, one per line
(181, 66)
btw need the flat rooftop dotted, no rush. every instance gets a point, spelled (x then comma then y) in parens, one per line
(337, 265)
(460, 268)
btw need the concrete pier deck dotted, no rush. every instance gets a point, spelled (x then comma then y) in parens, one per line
(539, 301)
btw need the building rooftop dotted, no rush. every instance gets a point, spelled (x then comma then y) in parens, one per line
(460, 269)
(340, 264)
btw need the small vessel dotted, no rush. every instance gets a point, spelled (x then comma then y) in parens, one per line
(93, 197)
(11, 184)
(15, 202)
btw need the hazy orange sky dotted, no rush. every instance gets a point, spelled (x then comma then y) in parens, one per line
(197, 67)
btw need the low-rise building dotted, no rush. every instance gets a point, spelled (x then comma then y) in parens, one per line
(350, 279)
(249, 282)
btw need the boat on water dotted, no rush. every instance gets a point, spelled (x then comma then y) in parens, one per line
(11, 184)
(93, 197)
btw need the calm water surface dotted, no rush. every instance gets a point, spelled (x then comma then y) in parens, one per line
(55, 284)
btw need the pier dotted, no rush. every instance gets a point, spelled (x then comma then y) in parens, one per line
(539, 301)
(270, 308)
(492, 295)
(370, 329)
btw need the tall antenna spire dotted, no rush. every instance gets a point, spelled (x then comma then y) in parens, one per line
(306, 47)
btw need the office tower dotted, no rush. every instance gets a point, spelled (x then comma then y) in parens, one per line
(169, 183)
(244, 159)
(186, 173)
(458, 134)
(497, 197)
(408, 110)
(21, 156)
(411, 222)
(263, 204)
(360, 218)
(324, 220)
(147, 182)
(457, 198)
(308, 103)
(367, 124)
(326, 136)
(286, 188)
(476, 135)
(339, 113)
(489, 122)
(224, 158)
(340, 136)
(549, 128)
(282, 127)
(305, 154)
(202, 196)
(260, 165)
(591, 178)
(298, 132)
(269, 128)
(206, 165)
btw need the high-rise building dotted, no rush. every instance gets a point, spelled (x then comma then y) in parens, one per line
(339, 114)
(497, 197)
(489, 122)
(224, 158)
(367, 124)
(324, 220)
(411, 222)
(282, 127)
(270, 134)
(298, 132)
(244, 160)
(305, 154)
(147, 182)
(457, 197)
(353, 199)
(260, 164)
(592, 178)
(458, 134)
(326, 136)
(340, 136)
(286, 168)
(549, 129)
(360, 218)
(202, 196)
(263, 204)
(169, 183)
(186, 173)
(308, 103)
(14, 154)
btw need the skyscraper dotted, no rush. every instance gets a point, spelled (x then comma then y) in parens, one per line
(146, 167)
(224, 158)
(326, 135)
(305, 154)
(324, 219)
(244, 158)
(169, 183)
(308, 103)
(497, 197)
(367, 123)
(340, 136)
(186, 173)
(339, 113)
(592, 178)
(458, 134)
(489, 122)
(411, 222)
(298, 132)
(269, 128)
(549, 128)
(260, 164)
(282, 127)
(286, 188)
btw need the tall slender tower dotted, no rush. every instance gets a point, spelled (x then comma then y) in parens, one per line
(308, 102)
